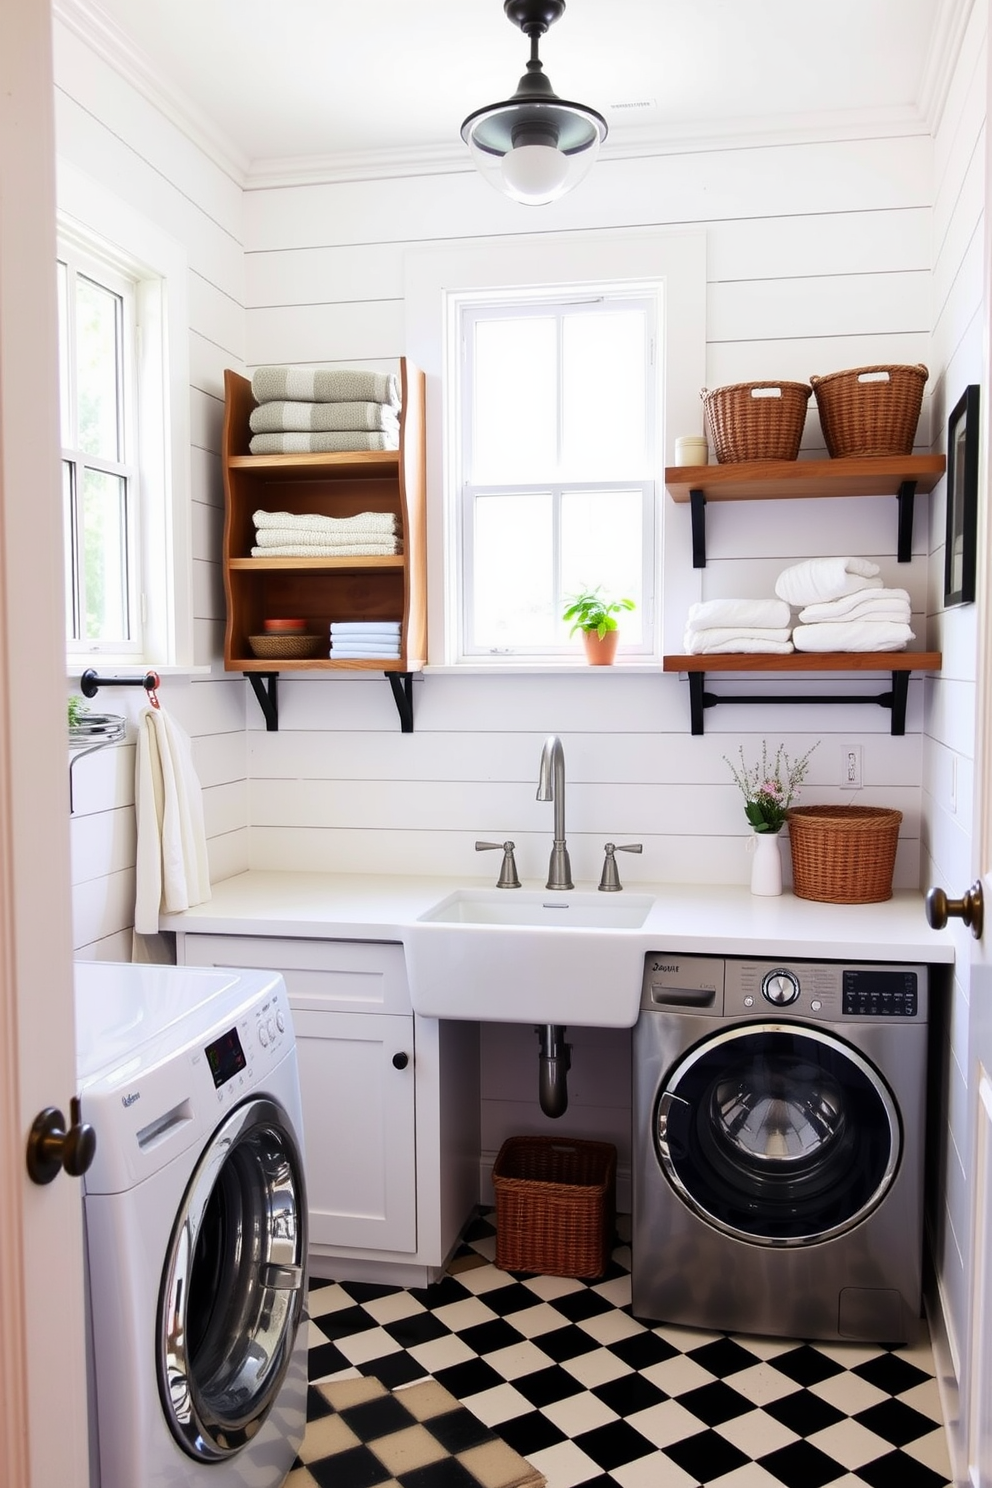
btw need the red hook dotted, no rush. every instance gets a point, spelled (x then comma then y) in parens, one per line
(152, 681)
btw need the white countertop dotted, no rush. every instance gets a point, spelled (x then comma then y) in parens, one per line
(721, 919)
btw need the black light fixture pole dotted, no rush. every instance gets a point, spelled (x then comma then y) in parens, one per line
(535, 146)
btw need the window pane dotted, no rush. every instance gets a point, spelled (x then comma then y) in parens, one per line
(515, 390)
(65, 406)
(601, 539)
(603, 395)
(98, 323)
(513, 595)
(104, 539)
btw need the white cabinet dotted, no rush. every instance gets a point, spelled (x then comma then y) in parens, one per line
(390, 1104)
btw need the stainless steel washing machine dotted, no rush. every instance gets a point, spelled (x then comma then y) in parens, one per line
(778, 1146)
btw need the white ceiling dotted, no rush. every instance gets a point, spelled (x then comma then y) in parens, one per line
(280, 80)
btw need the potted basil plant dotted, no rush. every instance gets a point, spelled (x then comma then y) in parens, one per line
(594, 614)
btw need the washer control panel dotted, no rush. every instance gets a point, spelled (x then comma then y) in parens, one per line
(827, 991)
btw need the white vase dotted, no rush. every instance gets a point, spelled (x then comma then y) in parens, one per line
(766, 865)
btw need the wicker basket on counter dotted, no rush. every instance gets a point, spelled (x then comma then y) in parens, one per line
(870, 410)
(555, 1206)
(843, 854)
(756, 420)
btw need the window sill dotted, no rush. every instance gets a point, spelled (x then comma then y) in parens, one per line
(561, 668)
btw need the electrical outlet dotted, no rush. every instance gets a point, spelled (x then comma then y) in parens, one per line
(850, 774)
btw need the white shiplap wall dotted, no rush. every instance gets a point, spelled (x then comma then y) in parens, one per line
(108, 131)
(818, 257)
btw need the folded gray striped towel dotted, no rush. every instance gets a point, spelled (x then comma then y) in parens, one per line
(330, 550)
(281, 537)
(324, 385)
(367, 521)
(341, 442)
(277, 418)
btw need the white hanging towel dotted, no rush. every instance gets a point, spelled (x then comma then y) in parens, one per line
(172, 872)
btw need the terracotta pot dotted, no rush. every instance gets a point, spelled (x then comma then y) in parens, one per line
(600, 652)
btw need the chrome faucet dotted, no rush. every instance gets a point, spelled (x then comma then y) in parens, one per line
(551, 787)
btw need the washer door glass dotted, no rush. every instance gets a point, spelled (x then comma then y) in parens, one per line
(233, 1288)
(778, 1134)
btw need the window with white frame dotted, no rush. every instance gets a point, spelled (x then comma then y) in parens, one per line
(125, 416)
(557, 422)
(99, 445)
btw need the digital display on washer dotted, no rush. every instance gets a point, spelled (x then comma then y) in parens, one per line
(872, 992)
(225, 1057)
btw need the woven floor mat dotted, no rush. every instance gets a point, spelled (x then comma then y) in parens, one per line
(418, 1436)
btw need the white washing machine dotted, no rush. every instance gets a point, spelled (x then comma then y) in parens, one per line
(195, 1223)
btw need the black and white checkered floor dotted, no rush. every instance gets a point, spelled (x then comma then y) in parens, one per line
(563, 1373)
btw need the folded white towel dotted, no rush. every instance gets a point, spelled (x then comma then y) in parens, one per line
(324, 385)
(278, 537)
(853, 635)
(770, 614)
(866, 604)
(330, 550)
(386, 652)
(283, 417)
(171, 869)
(356, 629)
(752, 645)
(696, 642)
(820, 579)
(340, 443)
(367, 521)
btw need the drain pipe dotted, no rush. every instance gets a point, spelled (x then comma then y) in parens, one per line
(555, 1061)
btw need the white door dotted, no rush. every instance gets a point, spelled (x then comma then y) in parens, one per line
(42, 1361)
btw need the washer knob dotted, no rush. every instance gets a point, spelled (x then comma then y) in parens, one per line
(280, 1022)
(780, 987)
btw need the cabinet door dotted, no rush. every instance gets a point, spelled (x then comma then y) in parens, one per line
(358, 1128)
(350, 1005)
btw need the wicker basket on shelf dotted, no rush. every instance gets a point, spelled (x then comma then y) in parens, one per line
(555, 1206)
(756, 420)
(870, 410)
(843, 854)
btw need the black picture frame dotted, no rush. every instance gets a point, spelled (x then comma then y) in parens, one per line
(962, 499)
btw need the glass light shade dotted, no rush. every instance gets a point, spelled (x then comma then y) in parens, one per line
(534, 174)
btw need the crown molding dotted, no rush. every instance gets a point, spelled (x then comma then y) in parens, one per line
(104, 37)
(629, 142)
(946, 38)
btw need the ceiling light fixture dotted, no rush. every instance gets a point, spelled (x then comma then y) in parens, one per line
(535, 146)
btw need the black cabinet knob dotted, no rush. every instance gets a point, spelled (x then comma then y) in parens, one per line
(400, 1061)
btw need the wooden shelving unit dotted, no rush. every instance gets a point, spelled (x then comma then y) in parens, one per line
(901, 476)
(325, 589)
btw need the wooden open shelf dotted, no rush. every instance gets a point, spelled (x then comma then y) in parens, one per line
(769, 480)
(898, 663)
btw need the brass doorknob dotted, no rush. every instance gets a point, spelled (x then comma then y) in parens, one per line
(971, 909)
(52, 1147)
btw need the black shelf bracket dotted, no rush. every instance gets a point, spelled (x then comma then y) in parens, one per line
(263, 685)
(700, 698)
(402, 685)
(904, 529)
(697, 515)
(268, 699)
(904, 541)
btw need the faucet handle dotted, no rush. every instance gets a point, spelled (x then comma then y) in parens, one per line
(508, 872)
(610, 881)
